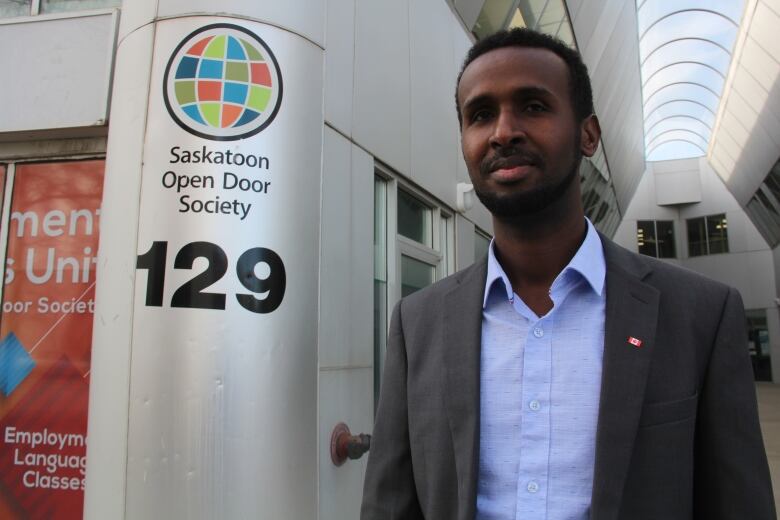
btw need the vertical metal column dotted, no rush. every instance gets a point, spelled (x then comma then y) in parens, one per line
(203, 397)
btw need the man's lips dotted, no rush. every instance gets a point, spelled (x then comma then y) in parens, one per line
(509, 169)
(511, 174)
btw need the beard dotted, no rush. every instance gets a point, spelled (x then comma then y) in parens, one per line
(525, 203)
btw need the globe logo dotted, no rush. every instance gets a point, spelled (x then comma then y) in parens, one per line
(222, 83)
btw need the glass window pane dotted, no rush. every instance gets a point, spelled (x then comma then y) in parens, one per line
(665, 239)
(414, 219)
(758, 344)
(717, 234)
(481, 245)
(59, 6)
(9, 8)
(697, 241)
(645, 237)
(447, 246)
(415, 275)
(492, 17)
(380, 280)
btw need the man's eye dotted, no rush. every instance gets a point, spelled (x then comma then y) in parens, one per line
(535, 107)
(481, 115)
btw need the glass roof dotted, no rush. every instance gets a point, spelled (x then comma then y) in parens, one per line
(685, 52)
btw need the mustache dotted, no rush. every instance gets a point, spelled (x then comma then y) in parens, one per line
(510, 157)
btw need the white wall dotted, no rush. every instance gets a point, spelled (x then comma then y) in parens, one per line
(345, 343)
(606, 33)
(750, 264)
(60, 68)
(390, 70)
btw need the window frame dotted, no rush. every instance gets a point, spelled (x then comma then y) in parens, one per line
(656, 239)
(705, 220)
(441, 255)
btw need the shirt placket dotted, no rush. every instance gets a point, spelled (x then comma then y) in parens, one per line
(532, 484)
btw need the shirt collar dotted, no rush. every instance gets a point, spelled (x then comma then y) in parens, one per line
(588, 261)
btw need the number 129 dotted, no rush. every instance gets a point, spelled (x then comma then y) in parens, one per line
(192, 293)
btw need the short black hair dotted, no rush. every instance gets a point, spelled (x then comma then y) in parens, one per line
(580, 91)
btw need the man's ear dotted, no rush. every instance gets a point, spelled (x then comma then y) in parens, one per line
(589, 135)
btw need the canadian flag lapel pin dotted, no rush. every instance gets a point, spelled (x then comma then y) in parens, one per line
(635, 341)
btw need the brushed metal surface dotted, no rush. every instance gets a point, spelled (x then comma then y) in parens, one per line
(223, 413)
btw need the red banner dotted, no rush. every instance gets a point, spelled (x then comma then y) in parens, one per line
(45, 338)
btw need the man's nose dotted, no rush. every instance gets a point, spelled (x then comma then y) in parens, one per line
(507, 131)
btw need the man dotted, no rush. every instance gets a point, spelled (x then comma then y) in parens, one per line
(562, 377)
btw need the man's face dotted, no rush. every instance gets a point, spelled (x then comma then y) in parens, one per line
(520, 137)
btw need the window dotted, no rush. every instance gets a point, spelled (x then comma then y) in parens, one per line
(708, 235)
(414, 219)
(414, 245)
(421, 241)
(764, 207)
(758, 344)
(481, 244)
(546, 16)
(656, 238)
(380, 279)
(10, 8)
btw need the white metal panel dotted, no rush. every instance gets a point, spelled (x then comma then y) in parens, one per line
(142, 13)
(303, 17)
(681, 187)
(336, 217)
(345, 396)
(362, 251)
(223, 399)
(478, 214)
(610, 11)
(752, 100)
(606, 34)
(738, 112)
(762, 65)
(748, 272)
(339, 63)
(434, 123)
(111, 334)
(346, 258)
(57, 71)
(464, 242)
(764, 28)
(584, 23)
(381, 118)
(750, 89)
(469, 10)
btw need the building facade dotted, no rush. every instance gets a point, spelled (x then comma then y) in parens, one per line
(264, 181)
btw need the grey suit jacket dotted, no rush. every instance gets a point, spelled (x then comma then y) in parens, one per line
(677, 436)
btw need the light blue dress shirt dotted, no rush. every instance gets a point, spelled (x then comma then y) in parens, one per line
(540, 379)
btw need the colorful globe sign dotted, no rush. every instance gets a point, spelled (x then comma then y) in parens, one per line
(222, 83)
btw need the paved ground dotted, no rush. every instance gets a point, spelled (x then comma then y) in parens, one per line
(769, 411)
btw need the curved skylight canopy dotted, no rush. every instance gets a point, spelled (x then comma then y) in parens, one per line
(685, 51)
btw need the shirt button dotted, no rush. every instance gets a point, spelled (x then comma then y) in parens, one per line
(538, 332)
(534, 405)
(533, 487)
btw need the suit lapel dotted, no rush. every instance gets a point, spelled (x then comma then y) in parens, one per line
(463, 333)
(631, 312)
